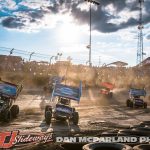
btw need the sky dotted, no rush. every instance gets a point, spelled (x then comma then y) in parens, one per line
(62, 26)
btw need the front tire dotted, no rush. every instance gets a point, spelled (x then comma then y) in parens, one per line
(14, 111)
(75, 118)
(48, 108)
(48, 117)
(131, 104)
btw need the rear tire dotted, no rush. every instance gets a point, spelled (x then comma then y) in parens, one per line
(145, 105)
(45, 89)
(48, 117)
(131, 104)
(14, 111)
(128, 103)
(110, 94)
(75, 118)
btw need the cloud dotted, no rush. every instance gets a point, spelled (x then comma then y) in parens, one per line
(8, 4)
(113, 15)
(148, 37)
(110, 16)
(11, 22)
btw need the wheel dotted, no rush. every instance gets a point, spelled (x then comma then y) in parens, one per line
(145, 105)
(48, 108)
(145, 123)
(110, 94)
(133, 132)
(73, 109)
(142, 147)
(45, 89)
(7, 116)
(128, 103)
(131, 104)
(102, 146)
(48, 117)
(14, 111)
(75, 118)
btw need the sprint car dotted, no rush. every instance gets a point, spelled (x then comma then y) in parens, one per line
(63, 95)
(106, 89)
(136, 98)
(8, 95)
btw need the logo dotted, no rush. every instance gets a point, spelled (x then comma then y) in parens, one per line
(11, 139)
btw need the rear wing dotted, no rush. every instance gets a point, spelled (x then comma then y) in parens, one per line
(9, 89)
(107, 85)
(137, 92)
(73, 93)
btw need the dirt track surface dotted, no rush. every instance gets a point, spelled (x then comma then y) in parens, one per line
(96, 113)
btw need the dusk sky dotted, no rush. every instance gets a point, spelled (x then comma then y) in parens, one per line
(52, 26)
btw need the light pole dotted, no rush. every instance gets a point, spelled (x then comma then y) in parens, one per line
(99, 60)
(8, 58)
(59, 54)
(11, 51)
(90, 39)
(31, 55)
(69, 63)
(51, 59)
(87, 62)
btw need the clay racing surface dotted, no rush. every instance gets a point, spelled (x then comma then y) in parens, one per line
(96, 113)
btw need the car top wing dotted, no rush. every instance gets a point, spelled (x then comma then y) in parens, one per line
(10, 90)
(73, 93)
(107, 85)
(137, 92)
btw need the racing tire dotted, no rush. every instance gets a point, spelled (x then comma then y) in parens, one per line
(145, 123)
(7, 116)
(145, 105)
(128, 103)
(45, 89)
(73, 109)
(72, 146)
(142, 147)
(110, 94)
(75, 118)
(48, 117)
(131, 104)
(14, 111)
(48, 108)
(142, 129)
(102, 146)
(130, 132)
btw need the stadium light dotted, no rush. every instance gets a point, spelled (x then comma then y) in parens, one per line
(89, 46)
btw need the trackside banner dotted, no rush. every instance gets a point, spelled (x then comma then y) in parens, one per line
(111, 139)
(11, 139)
(15, 139)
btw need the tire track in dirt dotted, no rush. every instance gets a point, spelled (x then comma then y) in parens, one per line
(116, 109)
